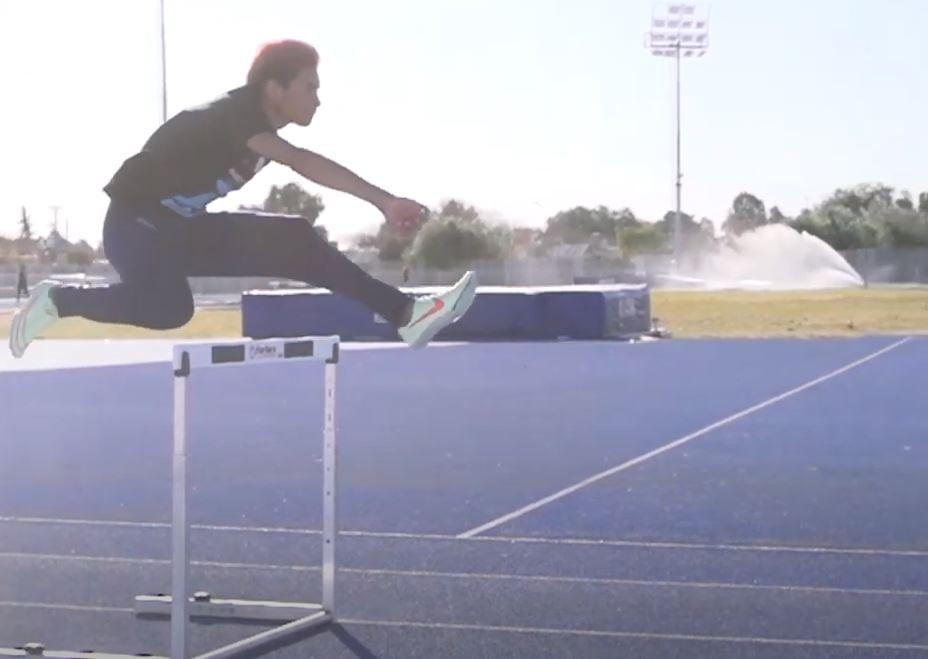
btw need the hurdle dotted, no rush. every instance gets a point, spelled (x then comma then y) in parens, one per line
(180, 606)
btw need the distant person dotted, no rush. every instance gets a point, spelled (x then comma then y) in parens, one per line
(158, 232)
(22, 284)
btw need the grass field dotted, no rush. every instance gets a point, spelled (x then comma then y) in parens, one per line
(847, 312)
(687, 314)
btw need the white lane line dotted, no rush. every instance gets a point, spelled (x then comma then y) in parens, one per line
(444, 537)
(503, 519)
(641, 635)
(748, 640)
(482, 576)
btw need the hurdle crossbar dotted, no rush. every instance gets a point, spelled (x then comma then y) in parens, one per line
(181, 605)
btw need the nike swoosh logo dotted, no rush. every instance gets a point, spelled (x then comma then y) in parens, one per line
(436, 307)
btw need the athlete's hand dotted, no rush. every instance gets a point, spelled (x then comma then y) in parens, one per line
(405, 214)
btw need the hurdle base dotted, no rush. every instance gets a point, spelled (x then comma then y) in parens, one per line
(38, 650)
(204, 606)
(299, 617)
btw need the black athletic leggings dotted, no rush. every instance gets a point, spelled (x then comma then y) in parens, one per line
(154, 251)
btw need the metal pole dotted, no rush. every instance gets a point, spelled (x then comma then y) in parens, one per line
(677, 220)
(180, 539)
(164, 70)
(680, 27)
(330, 492)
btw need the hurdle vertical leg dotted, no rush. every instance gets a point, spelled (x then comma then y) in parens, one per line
(330, 511)
(180, 524)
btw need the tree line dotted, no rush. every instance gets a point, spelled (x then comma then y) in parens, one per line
(866, 215)
(53, 248)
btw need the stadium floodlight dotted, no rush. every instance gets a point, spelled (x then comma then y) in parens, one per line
(678, 30)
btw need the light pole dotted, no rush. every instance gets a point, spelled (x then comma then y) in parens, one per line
(678, 30)
(54, 210)
(164, 69)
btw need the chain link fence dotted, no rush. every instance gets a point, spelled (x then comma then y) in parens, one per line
(879, 265)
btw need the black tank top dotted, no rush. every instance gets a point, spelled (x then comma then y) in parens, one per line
(197, 156)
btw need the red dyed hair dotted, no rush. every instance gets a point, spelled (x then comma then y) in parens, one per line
(281, 61)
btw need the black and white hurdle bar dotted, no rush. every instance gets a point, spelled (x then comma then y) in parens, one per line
(180, 606)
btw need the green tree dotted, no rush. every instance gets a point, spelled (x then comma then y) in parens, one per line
(449, 242)
(860, 197)
(644, 238)
(392, 244)
(456, 235)
(668, 222)
(865, 215)
(694, 236)
(580, 224)
(899, 225)
(291, 199)
(294, 200)
(905, 202)
(839, 226)
(923, 203)
(458, 210)
(747, 212)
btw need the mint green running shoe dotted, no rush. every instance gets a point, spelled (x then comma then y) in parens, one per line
(433, 313)
(37, 315)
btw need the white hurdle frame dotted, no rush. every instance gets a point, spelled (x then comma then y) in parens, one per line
(180, 605)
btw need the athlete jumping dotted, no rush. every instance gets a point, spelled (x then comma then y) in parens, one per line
(158, 232)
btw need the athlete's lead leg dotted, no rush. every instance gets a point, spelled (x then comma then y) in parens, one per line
(256, 245)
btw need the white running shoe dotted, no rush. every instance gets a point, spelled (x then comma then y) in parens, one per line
(36, 316)
(433, 313)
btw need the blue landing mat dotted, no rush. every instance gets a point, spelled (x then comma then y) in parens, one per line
(500, 313)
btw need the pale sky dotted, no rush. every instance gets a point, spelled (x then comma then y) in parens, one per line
(520, 108)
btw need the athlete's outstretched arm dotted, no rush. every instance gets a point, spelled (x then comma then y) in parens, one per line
(321, 170)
